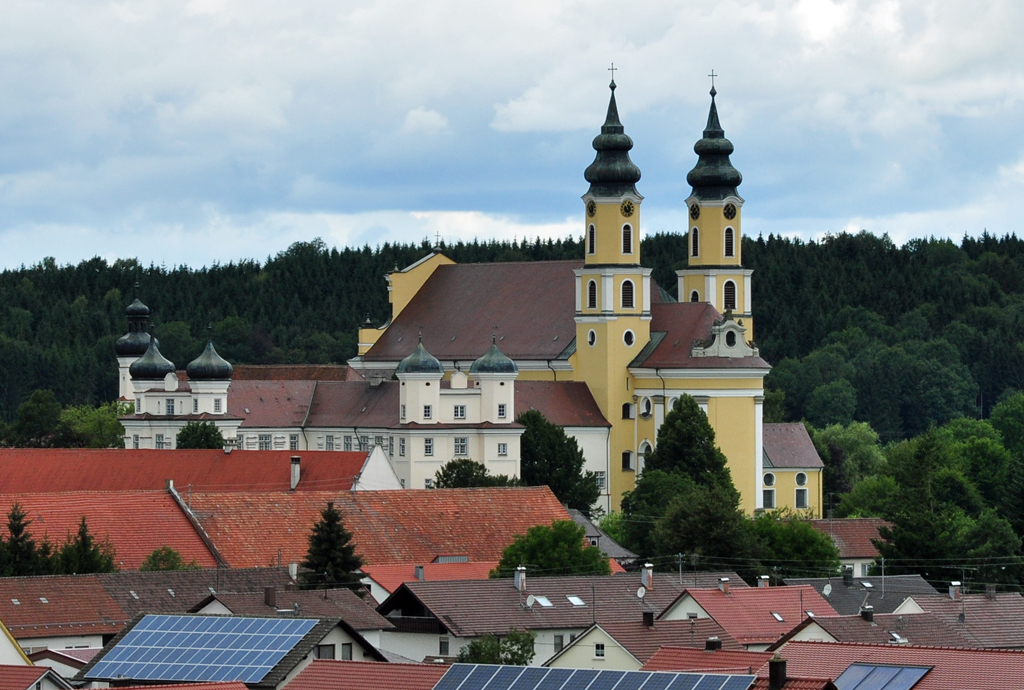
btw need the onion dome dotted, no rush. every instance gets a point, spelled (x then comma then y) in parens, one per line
(494, 361)
(209, 365)
(132, 344)
(714, 178)
(137, 308)
(420, 362)
(612, 173)
(152, 365)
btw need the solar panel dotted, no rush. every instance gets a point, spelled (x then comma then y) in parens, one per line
(738, 683)
(685, 681)
(504, 678)
(201, 648)
(633, 680)
(580, 680)
(877, 677)
(607, 680)
(528, 679)
(479, 677)
(710, 682)
(659, 681)
(554, 679)
(488, 677)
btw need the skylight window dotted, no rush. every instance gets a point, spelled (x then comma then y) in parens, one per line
(170, 591)
(43, 599)
(134, 595)
(777, 616)
(574, 600)
(212, 590)
(810, 614)
(15, 602)
(544, 601)
(867, 585)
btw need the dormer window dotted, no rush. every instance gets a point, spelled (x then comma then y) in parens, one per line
(217, 404)
(195, 405)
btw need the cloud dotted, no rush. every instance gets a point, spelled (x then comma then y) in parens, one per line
(423, 121)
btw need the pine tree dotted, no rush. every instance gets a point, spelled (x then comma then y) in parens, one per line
(20, 550)
(551, 458)
(686, 444)
(332, 557)
(81, 554)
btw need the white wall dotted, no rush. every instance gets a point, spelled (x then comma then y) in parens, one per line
(58, 642)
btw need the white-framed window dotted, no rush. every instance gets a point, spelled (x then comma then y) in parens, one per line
(195, 405)
(730, 338)
(403, 412)
(428, 483)
(628, 338)
(461, 445)
(627, 460)
(135, 441)
(801, 499)
(695, 242)
(559, 642)
(730, 245)
(729, 295)
(391, 445)
(442, 643)
(591, 239)
(378, 441)
(694, 296)
(346, 651)
(347, 443)
(401, 447)
(627, 294)
(502, 411)
(769, 499)
(646, 408)
(428, 447)
(216, 405)
(169, 405)
(592, 338)
(427, 411)
(599, 650)
(769, 479)
(364, 443)
(240, 441)
(627, 411)
(293, 442)
(160, 441)
(502, 449)
(264, 441)
(801, 479)
(627, 239)
(138, 404)
(460, 412)
(600, 480)
(330, 442)
(592, 294)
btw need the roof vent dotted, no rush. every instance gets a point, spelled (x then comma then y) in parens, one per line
(649, 619)
(868, 613)
(418, 570)
(520, 578)
(270, 596)
(712, 644)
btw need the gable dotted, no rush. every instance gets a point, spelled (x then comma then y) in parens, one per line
(683, 608)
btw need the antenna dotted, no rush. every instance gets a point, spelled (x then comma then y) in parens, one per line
(827, 589)
(640, 593)
(530, 600)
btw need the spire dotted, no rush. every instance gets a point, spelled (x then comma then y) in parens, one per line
(612, 173)
(714, 178)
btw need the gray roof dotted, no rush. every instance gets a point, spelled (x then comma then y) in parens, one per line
(884, 594)
(609, 546)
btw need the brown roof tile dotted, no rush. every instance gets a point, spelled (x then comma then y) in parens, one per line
(565, 403)
(391, 576)
(916, 628)
(20, 677)
(642, 641)
(852, 536)
(295, 372)
(330, 603)
(680, 658)
(361, 675)
(74, 605)
(789, 445)
(684, 323)
(884, 594)
(991, 622)
(270, 403)
(354, 404)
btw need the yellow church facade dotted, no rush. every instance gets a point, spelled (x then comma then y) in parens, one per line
(604, 322)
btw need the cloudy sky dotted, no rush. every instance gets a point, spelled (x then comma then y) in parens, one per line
(210, 130)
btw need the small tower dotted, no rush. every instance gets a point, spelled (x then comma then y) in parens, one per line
(716, 274)
(209, 376)
(132, 345)
(152, 373)
(420, 374)
(494, 375)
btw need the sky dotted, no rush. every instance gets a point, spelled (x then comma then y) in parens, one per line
(203, 131)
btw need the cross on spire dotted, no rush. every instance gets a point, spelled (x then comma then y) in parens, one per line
(437, 239)
(612, 70)
(713, 75)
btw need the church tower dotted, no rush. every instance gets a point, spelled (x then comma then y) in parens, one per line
(714, 246)
(613, 292)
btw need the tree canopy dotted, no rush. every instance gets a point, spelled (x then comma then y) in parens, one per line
(200, 435)
(166, 558)
(514, 649)
(464, 473)
(550, 457)
(558, 549)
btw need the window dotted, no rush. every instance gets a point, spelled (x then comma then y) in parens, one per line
(264, 441)
(629, 338)
(330, 442)
(442, 646)
(769, 479)
(730, 295)
(646, 407)
(160, 441)
(645, 448)
(801, 499)
(695, 242)
(216, 404)
(591, 240)
(627, 460)
(391, 445)
(293, 442)
(138, 404)
(170, 405)
(195, 405)
(559, 642)
(730, 338)
(627, 239)
(627, 294)
(461, 445)
(346, 651)
(801, 479)
(401, 447)
(403, 412)
(401, 483)
(460, 412)
(627, 410)
(600, 480)
(347, 443)
(694, 296)
(364, 443)
(324, 651)
(863, 569)
(427, 411)
(729, 244)
(592, 338)
(501, 410)
(240, 441)
(599, 650)
(378, 441)
(769, 499)
(592, 295)
(778, 616)
(135, 441)
(428, 447)
(502, 449)
(428, 483)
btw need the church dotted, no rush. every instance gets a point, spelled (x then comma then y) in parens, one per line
(593, 344)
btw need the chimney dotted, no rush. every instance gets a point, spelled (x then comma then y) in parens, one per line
(419, 573)
(776, 672)
(270, 597)
(520, 578)
(954, 590)
(848, 575)
(649, 619)
(296, 471)
(293, 571)
(762, 581)
(169, 485)
(723, 584)
(647, 576)
(990, 592)
(868, 613)
(712, 644)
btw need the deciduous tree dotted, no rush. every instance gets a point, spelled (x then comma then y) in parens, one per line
(558, 549)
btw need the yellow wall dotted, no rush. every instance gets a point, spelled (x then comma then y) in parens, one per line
(734, 425)
(785, 488)
(406, 283)
(712, 224)
(609, 221)
(580, 654)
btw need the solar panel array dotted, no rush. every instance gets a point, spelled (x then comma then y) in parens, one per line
(201, 648)
(877, 677)
(487, 677)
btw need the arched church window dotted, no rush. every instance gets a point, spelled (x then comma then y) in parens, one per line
(695, 242)
(627, 239)
(729, 295)
(591, 240)
(694, 296)
(627, 294)
(592, 295)
(730, 249)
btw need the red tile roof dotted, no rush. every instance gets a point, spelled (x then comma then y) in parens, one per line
(746, 613)
(797, 684)
(391, 576)
(270, 403)
(789, 445)
(676, 658)
(134, 522)
(565, 403)
(230, 685)
(76, 658)
(642, 641)
(361, 675)
(684, 323)
(295, 372)
(963, 669)
(46, 470)
(75, 605)
(403, 526)
(532, 303)
(20, 677)
(924, 629)
(852, 536)
(990, 622)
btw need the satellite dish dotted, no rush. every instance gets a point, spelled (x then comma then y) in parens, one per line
(827, 589)
(530, 600)
(641, 592)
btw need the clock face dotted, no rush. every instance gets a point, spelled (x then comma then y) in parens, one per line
(627, 208)
(591, 208)
(729, 211)
(695, 211)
